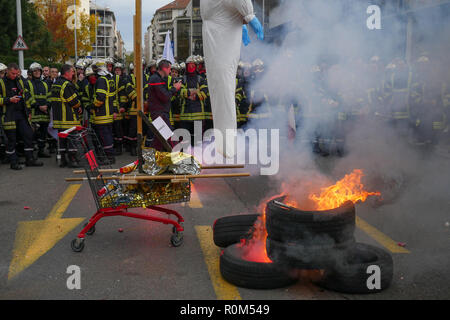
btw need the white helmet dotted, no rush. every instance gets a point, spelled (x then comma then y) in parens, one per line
(109, 60)
(2, 67)
(258, 65)
(191, 59)
(176, 66)
(118, 65)
(79, 64)
(182, 65)
(35, 66)
(131, 66)
(153, 63)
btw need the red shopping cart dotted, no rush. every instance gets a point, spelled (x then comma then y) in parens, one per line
(114, 196)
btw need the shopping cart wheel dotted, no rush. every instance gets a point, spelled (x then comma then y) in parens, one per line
(91, 231)
(177, 239)
(77, 245)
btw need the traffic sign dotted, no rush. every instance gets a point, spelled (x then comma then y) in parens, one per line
(20, 44)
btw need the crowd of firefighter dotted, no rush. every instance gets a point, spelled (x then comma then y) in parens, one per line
(413, 99)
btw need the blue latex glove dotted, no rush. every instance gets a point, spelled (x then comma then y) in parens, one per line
(245, 36)
(257, 28)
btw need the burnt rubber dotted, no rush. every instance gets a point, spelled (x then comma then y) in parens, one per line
(351, 274)
(313, 255)
(253, 275)
(230, 230)
(287, 224)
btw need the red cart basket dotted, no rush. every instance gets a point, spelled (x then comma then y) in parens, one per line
(114, 197)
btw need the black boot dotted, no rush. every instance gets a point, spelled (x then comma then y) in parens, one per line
(73, 162)
(133, 151)
(63, 160)
(16, 166)
(30, 162)
(118, 149)
(42, 154)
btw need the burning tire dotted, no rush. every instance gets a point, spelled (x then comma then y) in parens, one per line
(307, 255)
(252, 275)
(230, 230)
(288, 224)
(351, 274)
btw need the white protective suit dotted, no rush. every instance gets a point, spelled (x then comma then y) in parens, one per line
(222, 38)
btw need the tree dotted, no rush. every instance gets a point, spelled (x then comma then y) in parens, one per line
(35, 34)
(59, 18)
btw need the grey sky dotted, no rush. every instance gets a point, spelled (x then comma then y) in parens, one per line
(124, 11)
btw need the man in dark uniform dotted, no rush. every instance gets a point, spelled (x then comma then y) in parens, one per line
(16, 101)
(66, 110)
(160, 97)
(40, 117)
(105, 109)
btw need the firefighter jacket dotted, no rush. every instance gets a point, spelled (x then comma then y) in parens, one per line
(130, 92)
(397, 93)
(105, 104)
(120, 84)
(40, 92)
(192, 110)
(11, 111)
(64, 103)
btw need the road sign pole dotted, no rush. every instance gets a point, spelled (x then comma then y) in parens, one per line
(19, 31)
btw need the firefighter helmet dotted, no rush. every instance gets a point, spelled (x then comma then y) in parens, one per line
(35, 66)
(191, 59)
(118, 65)
(131, 66)
(89, 72)
(182, 66)
(176, 66)
(2, 67)
(153, 63)
(258, 65)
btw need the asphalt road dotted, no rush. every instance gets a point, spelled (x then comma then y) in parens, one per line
(140, 263)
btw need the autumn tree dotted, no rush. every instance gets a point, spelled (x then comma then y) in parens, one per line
(35, 33)
(59, 17)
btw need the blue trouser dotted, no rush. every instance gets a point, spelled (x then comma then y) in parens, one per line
(105, 135)
(24, 129)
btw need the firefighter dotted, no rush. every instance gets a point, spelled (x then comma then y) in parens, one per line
(66, 111)
(427, 109)
(118, 125)
(175, 107)
(105, 110)
(193, 94)
(16, 102)
(40, 113)
(397, 90)
(259, 108)
(130, 136)
(87, 98)
(241, 98)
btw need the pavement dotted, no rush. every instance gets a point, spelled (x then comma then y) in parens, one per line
(41, 214)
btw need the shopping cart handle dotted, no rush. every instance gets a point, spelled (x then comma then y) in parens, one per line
(66, 133)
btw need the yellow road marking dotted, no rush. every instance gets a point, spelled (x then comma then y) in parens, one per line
(35, 238)
(211, 253)
(61, 206)
(380, 237)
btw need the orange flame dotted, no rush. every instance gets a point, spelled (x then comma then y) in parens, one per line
(349, 188)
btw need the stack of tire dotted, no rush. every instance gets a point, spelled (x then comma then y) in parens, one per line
(302, 240)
